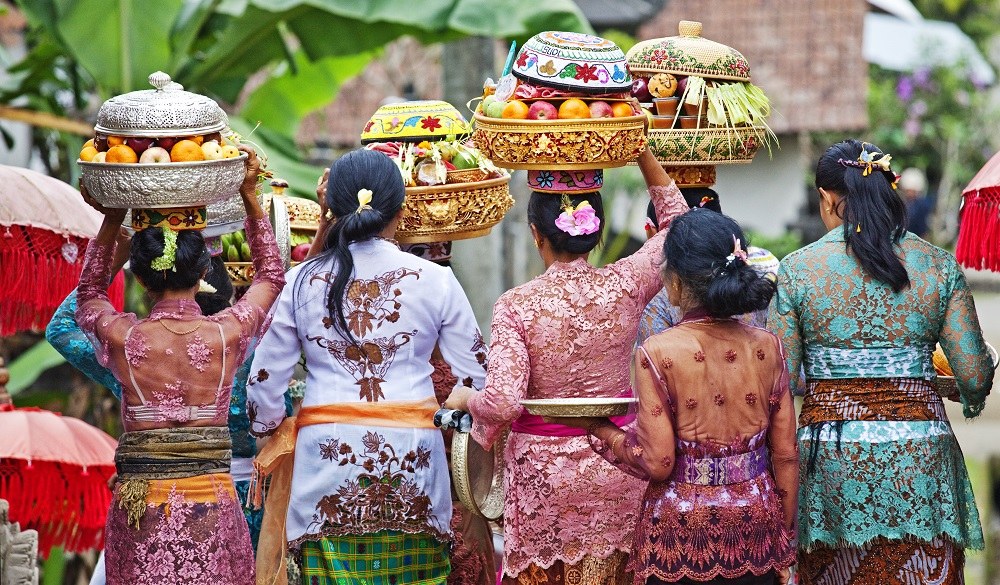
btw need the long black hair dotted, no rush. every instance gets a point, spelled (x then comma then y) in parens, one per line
(349, 175)
(544, 208)
(190, 262)
(874, 214)
(700, 250)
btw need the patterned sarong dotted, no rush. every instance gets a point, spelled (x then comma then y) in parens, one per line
(381, 558)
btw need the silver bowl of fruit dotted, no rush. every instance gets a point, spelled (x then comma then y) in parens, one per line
(159, 148)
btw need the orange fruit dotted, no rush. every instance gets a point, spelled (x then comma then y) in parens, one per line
(186, 151)
(622, 109)
(121, 153)
(115, 141)
(574, 108)
(517, 110)
(89, 143)
(87, 153)
(196, 139)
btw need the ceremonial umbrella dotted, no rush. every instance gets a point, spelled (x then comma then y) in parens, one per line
(44, 228)
(979, 232)
(54, 472)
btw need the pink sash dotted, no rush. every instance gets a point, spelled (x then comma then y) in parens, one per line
(532, 424)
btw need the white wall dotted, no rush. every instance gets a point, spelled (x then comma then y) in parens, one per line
(767, 194)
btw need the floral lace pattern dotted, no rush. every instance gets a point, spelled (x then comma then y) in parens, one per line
(886, 479)
(183, 541)
(198, 353)
(569, 332)
(66, 337)
(825, 299)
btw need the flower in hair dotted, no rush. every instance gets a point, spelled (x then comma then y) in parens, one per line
(204, 287)
(578, 221)
(364, 198)
(738, 252)
(166, 261)
(874, 159)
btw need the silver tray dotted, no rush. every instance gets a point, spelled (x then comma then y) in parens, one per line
(159, 185)
(577, 407)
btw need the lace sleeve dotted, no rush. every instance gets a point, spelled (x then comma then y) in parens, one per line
(643, 267)
(783, 321)
(459, 339)
(68, 339)
(272, 367)
(784, 445)
(95, 314)
(269, 278)
(961, 339)
(646, 449)
(498, 404)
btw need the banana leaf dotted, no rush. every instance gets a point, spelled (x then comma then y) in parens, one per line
(31, 364)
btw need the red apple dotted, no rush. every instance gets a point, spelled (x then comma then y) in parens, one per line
(139, 145)
(682, 82)
(300, 252)
(542, 111)
(101, 143)
(601, 109)
(167, 142)
(640, 91)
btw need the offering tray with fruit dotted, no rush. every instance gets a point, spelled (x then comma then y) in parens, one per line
(946, 384)
(578, 407)
(564, 106)
(699, 99)
(453, 192)
(161, 148)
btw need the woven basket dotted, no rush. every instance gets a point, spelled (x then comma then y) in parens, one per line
(560, 144)
(706, 146)
(454, 211)
(688, 54)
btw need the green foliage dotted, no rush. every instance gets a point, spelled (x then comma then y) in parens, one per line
(31, 364)
(624, 40)
(780, 246)
(976, 18)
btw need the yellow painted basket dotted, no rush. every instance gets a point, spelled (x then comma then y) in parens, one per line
(706, 146)
(453, 211)
(589, 143)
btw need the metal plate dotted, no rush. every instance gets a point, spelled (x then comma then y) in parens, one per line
(576, 407)
(477, 475)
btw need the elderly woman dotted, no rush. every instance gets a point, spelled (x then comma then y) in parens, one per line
(885, 497)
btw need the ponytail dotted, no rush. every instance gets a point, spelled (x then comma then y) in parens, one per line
(365, 192)
(873, 213)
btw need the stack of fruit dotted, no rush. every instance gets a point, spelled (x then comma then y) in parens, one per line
(161, 149)
(565, 105)
(453, 192)
(146, 150)
(702, 108)
(298, 219)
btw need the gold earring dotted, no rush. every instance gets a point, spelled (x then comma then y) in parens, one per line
(829, 209)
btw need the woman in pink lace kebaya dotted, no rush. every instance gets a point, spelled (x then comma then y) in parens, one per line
(569, 515)
(175, 518)
(715, 430)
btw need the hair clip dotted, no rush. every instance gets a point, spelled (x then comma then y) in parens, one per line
(364, 198)
(738, 252)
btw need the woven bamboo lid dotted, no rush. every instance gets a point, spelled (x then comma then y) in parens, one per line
(688, 54)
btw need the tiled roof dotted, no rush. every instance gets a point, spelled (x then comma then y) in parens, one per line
(805, 55)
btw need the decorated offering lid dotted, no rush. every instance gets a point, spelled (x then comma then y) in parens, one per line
(167, 110)
(566, 181)
(414, 121)
(574, 62)
(688, 54)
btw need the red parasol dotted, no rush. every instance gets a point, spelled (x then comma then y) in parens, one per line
(44, 228)
(54, 471)
(979, 234)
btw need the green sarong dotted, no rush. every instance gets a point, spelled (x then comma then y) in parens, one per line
(381, 558)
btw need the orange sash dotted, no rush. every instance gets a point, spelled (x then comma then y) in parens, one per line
(277, 457)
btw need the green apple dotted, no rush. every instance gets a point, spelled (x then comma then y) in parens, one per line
(465, 160)
(495, 109)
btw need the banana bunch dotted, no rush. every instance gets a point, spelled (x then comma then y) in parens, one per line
(235, 247)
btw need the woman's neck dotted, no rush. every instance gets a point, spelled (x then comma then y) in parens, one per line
(178, 295)
(549, 257)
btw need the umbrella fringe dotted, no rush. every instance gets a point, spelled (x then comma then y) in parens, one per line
(978, 243)
(67, 506)
(36, 277)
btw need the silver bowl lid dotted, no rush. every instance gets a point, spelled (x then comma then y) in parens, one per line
(167, 110)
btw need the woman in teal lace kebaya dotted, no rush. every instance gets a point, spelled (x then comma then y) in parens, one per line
(885, 497)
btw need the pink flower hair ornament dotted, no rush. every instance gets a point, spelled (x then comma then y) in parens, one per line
(581, 220)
